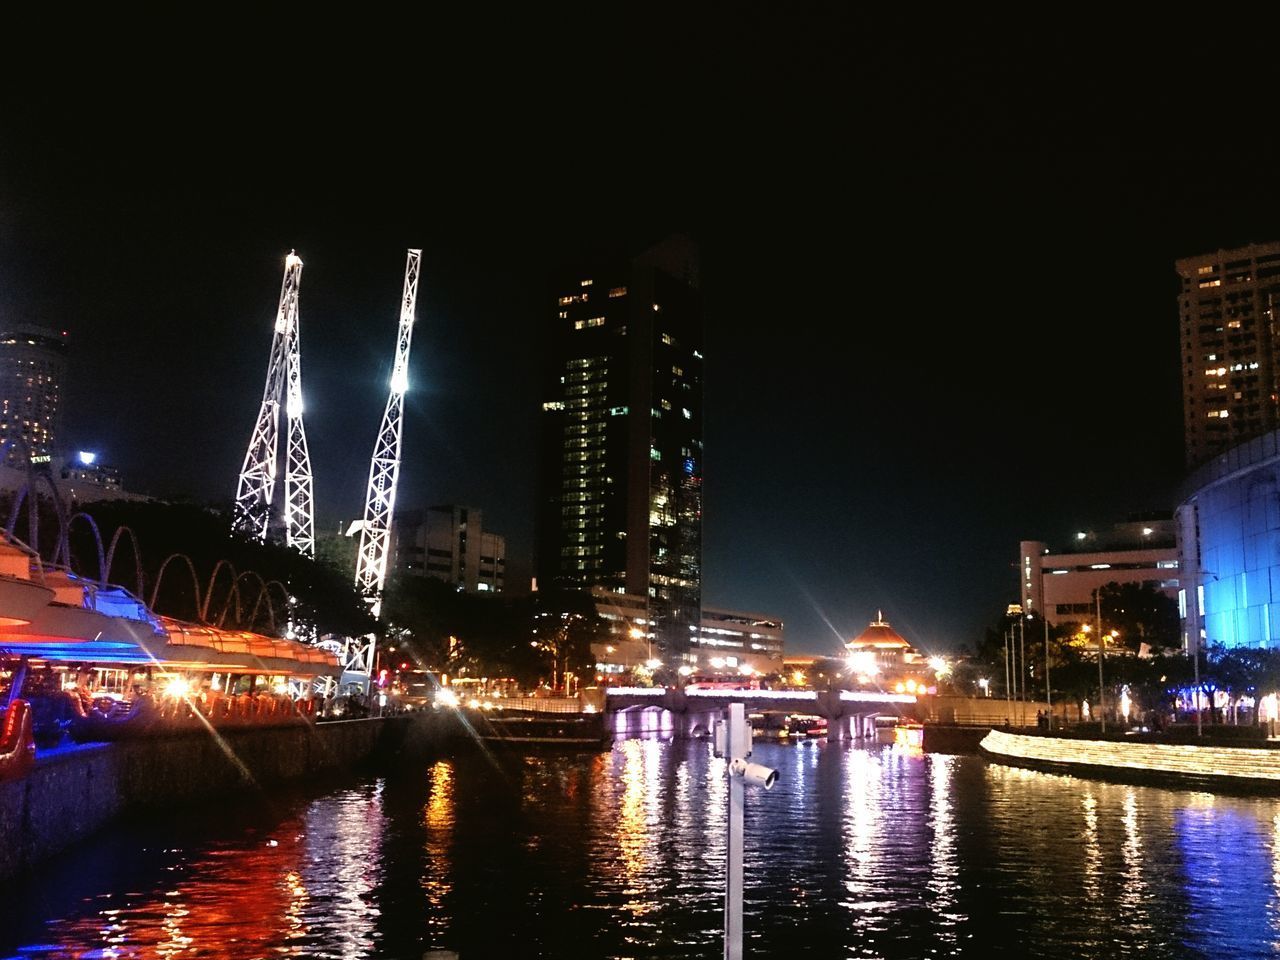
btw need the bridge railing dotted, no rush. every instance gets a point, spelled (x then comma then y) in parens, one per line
(540, 704)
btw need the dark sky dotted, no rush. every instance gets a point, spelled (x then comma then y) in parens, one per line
(938, 320)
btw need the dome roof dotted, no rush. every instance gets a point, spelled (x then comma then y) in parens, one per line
(880, 635)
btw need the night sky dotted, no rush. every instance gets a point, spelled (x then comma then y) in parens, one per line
(931, 331)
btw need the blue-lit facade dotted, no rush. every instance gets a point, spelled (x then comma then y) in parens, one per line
(1229, 548)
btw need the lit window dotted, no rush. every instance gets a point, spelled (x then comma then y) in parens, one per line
(677, 371)
(654, 454)
(687, 414)
(666, 404)
(617, 292)
(666, 338)
(1203, 270)
(586, 283)
(553, 405)
(1210, 283)
(592, 322)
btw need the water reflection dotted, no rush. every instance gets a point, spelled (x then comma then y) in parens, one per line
(858, 851)
(437, 843)
(944, 874)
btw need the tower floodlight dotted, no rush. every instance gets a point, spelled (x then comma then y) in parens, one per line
(258, 475)
(384, 470)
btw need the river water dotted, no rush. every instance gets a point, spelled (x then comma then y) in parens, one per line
(859, 851)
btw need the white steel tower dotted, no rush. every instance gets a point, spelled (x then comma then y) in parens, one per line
(371, 562)
(258, 475)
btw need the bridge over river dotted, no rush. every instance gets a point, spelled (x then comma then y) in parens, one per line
(849, 713)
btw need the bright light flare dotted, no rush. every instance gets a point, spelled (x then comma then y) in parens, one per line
(400, 383)
(446, 698)
(177, 687)
(864, 662)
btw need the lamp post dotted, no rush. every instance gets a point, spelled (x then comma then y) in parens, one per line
(1048, 690)
(1008, 698)
(1022, 669)
(1102, 701)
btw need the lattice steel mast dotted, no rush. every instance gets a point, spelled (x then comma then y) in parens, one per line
(258, 475)
(299, 515)
(371, 562)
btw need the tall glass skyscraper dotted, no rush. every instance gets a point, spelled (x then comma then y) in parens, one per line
(620, 485)
(33, 366)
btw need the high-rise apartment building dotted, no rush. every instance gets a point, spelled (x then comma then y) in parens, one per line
(449, 543)
(620, 486)
(1230, 347)
(33, 367)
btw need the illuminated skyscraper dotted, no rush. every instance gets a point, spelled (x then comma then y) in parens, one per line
(33, 366)
(620, 486)
(1230, 351)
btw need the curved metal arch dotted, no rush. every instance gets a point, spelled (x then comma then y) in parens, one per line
(195, 579)
(137, 557)
(265, 593)
(62, 546)
(235, 587)
(213, 578)
(97, 539)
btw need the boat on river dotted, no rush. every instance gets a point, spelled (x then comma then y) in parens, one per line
(91, 660)
(581, 731)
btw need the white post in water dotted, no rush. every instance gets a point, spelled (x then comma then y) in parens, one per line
(732, 740)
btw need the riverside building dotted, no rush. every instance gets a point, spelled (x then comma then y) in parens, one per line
(1230, 363)
(620, 476)
(450, 543)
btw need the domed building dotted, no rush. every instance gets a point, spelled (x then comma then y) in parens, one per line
(881, 657)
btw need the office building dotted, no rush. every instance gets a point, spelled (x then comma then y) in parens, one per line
(1229, 548)
(1060, 583)
(33, 368)
(449, 543)
(1230, 367)
(620, 483)
(725, 643)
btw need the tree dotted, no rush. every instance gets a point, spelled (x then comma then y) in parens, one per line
(232, 579)
(1142, 614)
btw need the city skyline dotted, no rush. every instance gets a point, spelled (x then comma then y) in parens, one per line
(915, 359)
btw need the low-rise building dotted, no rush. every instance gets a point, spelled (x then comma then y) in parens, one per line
(450, 543)
(726, 642)
(1060, 584)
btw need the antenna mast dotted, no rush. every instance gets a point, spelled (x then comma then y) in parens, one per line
(258, 475)
(371, 562)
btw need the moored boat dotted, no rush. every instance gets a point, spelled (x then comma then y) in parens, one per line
(581, 731)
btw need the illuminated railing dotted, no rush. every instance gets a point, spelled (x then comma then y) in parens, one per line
(756, 694)
(635, 691)
(867, 696)
(854, 696)
(1190, 759)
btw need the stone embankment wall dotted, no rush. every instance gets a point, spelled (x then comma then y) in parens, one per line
(75, 791)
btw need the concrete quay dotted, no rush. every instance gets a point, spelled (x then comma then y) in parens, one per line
(76, 790)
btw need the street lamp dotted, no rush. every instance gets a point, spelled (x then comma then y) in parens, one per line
(1048, 693)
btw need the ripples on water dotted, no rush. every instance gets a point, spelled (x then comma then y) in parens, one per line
(857, 852)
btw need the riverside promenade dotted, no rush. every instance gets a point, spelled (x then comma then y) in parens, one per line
(76, 790)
